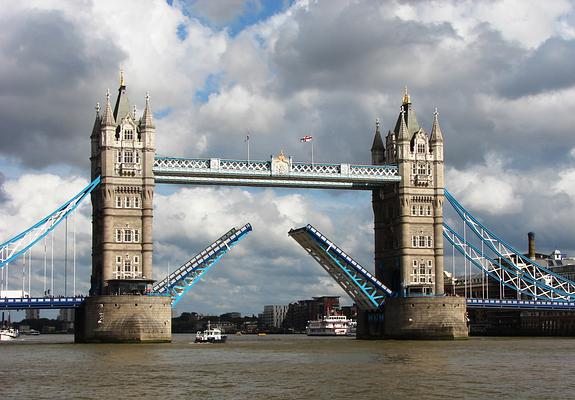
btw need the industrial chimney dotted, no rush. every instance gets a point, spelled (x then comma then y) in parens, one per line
(531, 241)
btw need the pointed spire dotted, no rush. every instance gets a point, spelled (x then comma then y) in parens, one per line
(147, 121)
(122, 107)
(107, 117)
(436, 135)
(406, 99)
(122, 83)
(403, 133)
(409, 116)
(96, 127)
(377, 140)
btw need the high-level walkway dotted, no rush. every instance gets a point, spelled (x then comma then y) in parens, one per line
(275, 173)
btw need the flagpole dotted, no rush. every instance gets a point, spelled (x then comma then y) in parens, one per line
(248, 144)
(312, 152)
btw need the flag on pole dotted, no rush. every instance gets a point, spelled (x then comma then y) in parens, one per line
(247, 138)
(306, 138)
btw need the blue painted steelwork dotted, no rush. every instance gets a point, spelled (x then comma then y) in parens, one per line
(501, 272)
(40, 302)
(20, 243)
(178, 283)
(520, 304)
(508, 265)
(367, 292)
(217, 171)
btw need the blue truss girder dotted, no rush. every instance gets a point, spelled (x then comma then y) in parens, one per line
(20, 243)
(179, 282)
(40, 302)
(508, 276)
(545, 283)
(367, 292)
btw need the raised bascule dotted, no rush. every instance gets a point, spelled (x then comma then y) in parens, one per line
(405, 298)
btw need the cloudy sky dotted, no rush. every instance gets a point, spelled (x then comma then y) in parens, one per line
(500, 73)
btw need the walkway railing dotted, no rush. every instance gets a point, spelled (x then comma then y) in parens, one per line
(275, 173)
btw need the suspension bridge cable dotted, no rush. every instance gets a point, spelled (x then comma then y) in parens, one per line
(52, 267)
(74, 250)
(482, 275)
(45, 262)
(464, 262)
(453, 268)
(30, 272)
(66, 256)
(23, 273)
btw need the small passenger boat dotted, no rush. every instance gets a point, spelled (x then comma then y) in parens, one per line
(210, 335)
(9, 334)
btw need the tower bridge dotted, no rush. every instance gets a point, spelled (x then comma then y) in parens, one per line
(405, 298)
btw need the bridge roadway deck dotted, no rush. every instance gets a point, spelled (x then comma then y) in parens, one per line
(75, 301)
(275, 173)
(40, 302)
(521, 304)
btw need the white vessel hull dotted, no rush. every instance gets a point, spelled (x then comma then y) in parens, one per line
(336, 325)
(8, 334)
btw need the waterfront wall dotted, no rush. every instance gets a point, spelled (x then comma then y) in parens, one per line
(483, 322)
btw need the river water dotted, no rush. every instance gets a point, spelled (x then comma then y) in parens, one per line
(289, 367)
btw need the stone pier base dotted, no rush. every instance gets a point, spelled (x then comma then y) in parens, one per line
(416, 318)
(124, 319)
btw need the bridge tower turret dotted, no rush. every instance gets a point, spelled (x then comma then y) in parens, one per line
(123, 150)
(408, 222)
(122, 204)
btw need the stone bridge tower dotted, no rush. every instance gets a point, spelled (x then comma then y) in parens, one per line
(123, 149)
(408, 218)
(122, 154)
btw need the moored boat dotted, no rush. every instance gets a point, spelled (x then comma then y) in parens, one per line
(331, 325)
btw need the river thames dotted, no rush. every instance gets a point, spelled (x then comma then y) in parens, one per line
(289, 367)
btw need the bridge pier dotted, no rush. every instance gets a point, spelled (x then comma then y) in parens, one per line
(441, 317)
(124, 319)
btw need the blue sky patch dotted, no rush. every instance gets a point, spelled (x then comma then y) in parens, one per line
(211, 85)
(164, 112)
(182, 32)
(253, 13)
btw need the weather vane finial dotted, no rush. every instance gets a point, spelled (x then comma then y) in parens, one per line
(122, 83)
(406, 99)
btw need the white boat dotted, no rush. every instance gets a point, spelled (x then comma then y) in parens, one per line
(352, 330)
(331, 325)
(210, 335)
(9, 333)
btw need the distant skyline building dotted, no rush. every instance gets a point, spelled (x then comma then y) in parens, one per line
(302, 311)
(66, 315)
(32, 313)
(274, 315)
(231, 315)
